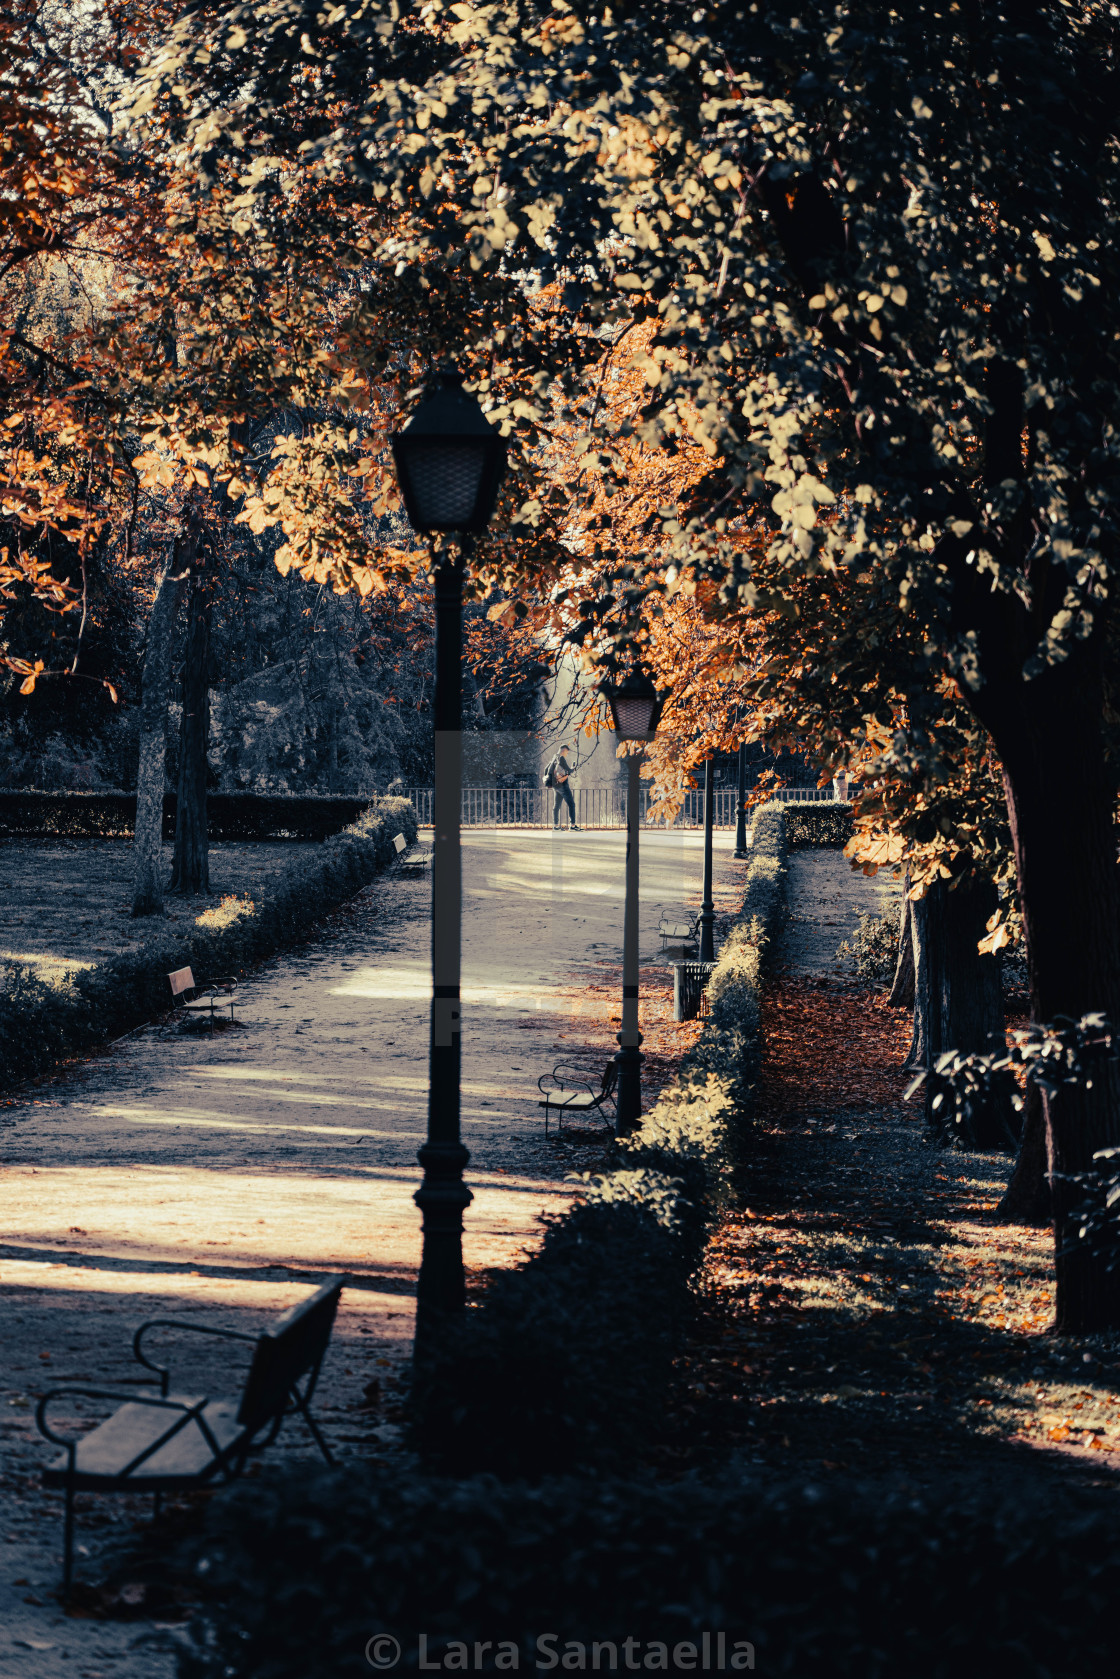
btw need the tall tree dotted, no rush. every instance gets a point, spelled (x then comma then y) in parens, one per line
(72, 204)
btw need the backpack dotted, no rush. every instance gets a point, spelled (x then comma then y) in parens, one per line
(550, 772)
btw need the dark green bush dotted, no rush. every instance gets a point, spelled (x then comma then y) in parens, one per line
(820, 822)
(229, 816)
(39, 1023)
(565, 1363)
(851, 1581)
(873, 950)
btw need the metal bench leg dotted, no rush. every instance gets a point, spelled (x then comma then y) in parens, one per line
(305, 1413)
(68, 1539)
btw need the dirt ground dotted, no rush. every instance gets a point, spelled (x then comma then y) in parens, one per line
(867, 1314)
(217, 1178)
(65, 904)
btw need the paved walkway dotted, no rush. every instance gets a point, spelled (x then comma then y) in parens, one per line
(182, 1173)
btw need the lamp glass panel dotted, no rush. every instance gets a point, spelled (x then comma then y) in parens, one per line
(633, 715)
(444, 477)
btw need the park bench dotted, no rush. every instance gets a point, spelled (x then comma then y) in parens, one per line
(200, 999)
(180, 1440)
(679, 927)
(566, 1091)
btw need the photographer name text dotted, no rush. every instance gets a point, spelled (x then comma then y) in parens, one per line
(713, 1652)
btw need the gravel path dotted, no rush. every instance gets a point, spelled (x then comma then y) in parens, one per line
(177, 1174)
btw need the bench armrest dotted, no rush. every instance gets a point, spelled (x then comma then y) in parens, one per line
(564, 1078)
(211, 988)
(189, 1409)
(191, 1328)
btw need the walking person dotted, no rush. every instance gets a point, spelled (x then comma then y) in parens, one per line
(558, 777)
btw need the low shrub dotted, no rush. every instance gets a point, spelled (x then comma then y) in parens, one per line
(301, 1573)
(818, 822)
(873, 949)
(40, 1023)
(565, 1361)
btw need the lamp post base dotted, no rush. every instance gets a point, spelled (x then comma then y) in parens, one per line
(442, 1198)
(707, 935)
(629, 1060)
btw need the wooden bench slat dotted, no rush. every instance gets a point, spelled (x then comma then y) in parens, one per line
(104, 1454)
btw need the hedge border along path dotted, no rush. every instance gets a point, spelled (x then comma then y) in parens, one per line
(32, 814)
(817, 822)
(41, 1024)
(566, 1361)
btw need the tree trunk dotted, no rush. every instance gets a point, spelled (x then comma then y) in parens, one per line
(335, 704)
(918, 1055)
(902, 990)
(958, 992)
(190, 872)
(1060, 803)
(1049, 733)
(151, 773)
(1027, 1197)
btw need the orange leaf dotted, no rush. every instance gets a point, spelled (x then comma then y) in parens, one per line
(27, 686)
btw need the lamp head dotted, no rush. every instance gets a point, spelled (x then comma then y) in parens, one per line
(449, 460)
(635, 705)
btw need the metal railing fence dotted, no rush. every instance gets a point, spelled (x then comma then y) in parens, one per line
(596, 807)
(802, 795)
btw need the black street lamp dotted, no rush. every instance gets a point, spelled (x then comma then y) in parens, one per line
(449, 462)
(741, 809)
(707, 908)
(636, 710)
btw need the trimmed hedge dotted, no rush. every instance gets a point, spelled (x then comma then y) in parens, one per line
(305, 1570)
(229, 816)
(818, 822)
(564, 1363)
(566, 1360)
(41, 1023)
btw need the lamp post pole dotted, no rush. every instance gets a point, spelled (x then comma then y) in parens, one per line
(443, 1196)
(707, 909)
(630, 1056)
(449, 461)
(741, 807)
(635, 711)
